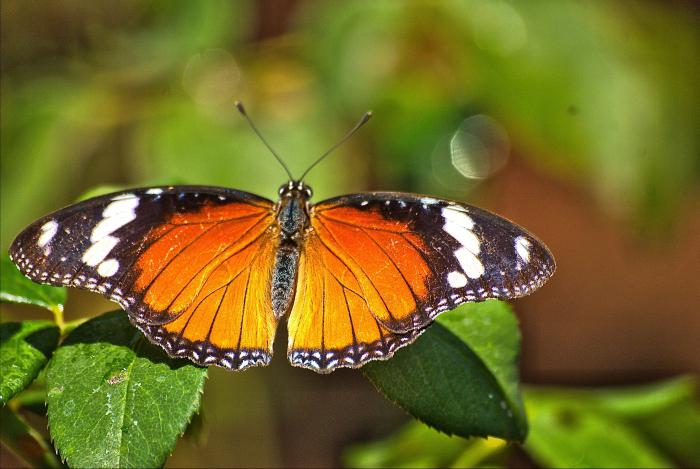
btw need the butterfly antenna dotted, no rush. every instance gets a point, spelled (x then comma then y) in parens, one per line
(241, 109)
(359, 124)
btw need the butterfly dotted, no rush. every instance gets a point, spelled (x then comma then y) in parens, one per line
(207, 273)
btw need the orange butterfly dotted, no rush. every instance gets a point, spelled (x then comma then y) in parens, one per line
(207, 273)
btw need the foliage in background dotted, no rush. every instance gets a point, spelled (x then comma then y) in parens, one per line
(646, 426)
(599, 100)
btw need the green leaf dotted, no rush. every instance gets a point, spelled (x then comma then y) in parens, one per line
(416, 445)
(491, 330)
(25, 348)
(115, 400)
(460, 376)
(16, 288)
(667, 413)
(676, 430)
(566, 432)
(642, 401)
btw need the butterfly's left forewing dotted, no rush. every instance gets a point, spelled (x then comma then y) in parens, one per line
(400, 259)
(190, 264)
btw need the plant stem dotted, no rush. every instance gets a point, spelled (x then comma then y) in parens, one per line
(478, 451)
(58, 317)
(70, 326)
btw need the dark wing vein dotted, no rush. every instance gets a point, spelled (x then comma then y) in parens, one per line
(245, 299)
(352, 324)
(187, 323)
(216, 313)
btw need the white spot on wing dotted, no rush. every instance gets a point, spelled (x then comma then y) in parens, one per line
(463, 235)
(458, 217)
(429, 201)
(121, 206)
(108, 268)
(110, 224)
(155, 191)
(522, 247)
(471, 265)
(48, 231)
(117, 214)
(456, 279)
(99, 250)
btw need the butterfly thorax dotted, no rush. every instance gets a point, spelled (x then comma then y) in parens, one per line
(292, 221)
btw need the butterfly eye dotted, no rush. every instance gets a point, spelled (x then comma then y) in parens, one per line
(308, 192)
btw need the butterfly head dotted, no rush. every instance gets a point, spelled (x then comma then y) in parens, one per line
(296, 190)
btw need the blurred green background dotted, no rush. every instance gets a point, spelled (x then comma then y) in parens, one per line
(578, 120)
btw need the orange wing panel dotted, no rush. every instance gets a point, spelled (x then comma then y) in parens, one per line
(173, 270)
(330, 325)
(229, 322)
(365, 219)
(384, 260)
(204, 283)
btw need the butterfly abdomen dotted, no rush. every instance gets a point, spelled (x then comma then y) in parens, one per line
(284, 276)
(292, 220)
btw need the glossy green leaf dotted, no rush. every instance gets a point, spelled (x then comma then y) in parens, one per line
(566, 432)
(115, 400)
(25, 347)
(16, 288)
(491, 330)
(460, 376)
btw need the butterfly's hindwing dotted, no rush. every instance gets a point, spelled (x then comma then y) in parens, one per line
(230, 322)
(330, 325)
